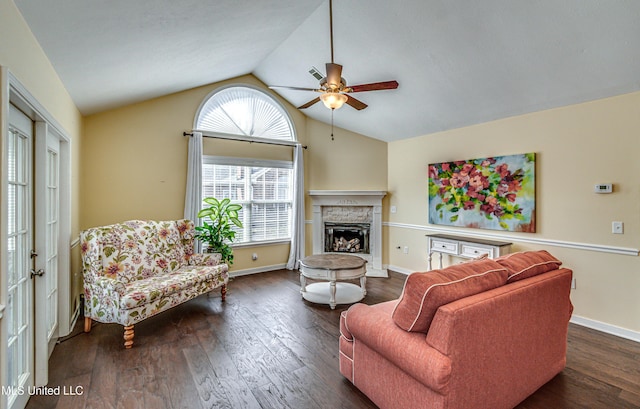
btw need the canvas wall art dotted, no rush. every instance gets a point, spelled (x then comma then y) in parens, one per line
(496, 193)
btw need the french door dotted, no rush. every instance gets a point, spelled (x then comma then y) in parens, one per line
(33, 249)
(19, 297)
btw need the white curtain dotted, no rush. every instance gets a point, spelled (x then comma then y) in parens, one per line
(297, 235)
(193, 197)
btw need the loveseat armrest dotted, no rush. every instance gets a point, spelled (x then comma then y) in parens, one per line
(205, 259)
(373, 326)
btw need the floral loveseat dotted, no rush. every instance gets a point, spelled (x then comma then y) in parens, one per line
(137, 269)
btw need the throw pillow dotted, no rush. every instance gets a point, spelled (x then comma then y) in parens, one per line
(527, 264)
(424, 293)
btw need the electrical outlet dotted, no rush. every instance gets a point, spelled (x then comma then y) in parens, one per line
(573, 283)
(617, 227)
(405, 250)
(254, 256)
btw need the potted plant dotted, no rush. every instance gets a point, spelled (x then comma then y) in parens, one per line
(217, 232)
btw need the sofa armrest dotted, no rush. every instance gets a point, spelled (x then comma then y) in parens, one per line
(409, 351)
(204, 259)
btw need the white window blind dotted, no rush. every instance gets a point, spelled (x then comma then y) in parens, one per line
(263, 188)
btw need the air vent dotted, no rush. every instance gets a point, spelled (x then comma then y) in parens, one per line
(314, 71)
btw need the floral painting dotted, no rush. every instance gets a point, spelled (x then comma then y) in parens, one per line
(495, 193)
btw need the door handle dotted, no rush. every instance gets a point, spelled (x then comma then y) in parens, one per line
(38, 273)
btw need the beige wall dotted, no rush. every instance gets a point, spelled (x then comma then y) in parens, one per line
(135, 161)
(21, 54)
(577, 146)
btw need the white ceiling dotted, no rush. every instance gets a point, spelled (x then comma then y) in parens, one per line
(458, 62)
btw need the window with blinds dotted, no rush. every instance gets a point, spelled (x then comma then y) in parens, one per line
(264, 188)
(265, 193)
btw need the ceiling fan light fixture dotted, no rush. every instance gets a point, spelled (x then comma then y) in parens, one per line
(333, 100)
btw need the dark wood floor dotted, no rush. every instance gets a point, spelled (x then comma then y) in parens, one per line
(267, 348)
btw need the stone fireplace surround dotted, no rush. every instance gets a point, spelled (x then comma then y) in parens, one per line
(350, 206)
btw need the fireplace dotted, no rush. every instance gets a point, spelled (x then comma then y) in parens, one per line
(346, 237)
(349, 222)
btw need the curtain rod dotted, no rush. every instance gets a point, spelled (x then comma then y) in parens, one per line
(247, 139)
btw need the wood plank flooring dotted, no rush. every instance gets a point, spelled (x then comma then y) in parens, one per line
(265, 347)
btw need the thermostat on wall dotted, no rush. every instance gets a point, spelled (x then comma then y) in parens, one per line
(603, 188)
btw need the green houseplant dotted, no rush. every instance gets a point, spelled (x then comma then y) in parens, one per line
(217, 231)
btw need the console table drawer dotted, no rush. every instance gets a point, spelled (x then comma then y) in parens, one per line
(445, 247)
(473, 251)
(465, 247)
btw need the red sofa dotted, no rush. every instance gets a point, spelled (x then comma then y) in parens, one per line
(484, 334)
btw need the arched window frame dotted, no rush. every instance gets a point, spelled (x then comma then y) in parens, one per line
(238, 136)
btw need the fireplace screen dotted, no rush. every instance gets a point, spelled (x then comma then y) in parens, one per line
(346, 237)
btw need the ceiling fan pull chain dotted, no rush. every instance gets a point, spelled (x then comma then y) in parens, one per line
(332, 109)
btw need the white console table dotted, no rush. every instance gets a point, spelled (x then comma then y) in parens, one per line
(464, 247)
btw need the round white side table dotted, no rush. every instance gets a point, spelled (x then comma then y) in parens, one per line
(333, 268)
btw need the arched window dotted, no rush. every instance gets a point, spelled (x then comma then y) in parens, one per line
(263, 187)
(244, 111)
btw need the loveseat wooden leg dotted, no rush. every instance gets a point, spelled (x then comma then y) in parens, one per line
(223, 291)
(128, 336)
(87, 324)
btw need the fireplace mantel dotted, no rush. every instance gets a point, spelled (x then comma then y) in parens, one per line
(351, 198)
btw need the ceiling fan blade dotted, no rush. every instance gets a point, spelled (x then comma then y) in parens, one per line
(374, 86)
(334, 74)
(294, 88)
(357, 104)
(308, 104)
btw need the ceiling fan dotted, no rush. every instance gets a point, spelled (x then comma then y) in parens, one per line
(333, 88)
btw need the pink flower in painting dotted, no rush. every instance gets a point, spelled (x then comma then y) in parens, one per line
(467, 168)
(433, 172)
(469, 205)
(511, 197)
(478, 182)
(503, 170)
(487, 208)
(458, 180)
(446, 167)
(475, 194)
(502, 189)
(515, 185)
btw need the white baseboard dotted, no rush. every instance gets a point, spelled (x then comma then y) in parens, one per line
(399, 269)
(606, 328)
(264, 269)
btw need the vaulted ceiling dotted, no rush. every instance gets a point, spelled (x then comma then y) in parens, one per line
(458, 62)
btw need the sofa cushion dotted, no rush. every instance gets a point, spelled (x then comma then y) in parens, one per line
(528, 264)
(146, 291)
(424, 293)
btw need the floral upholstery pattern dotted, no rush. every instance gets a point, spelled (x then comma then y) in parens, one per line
(136, 269)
